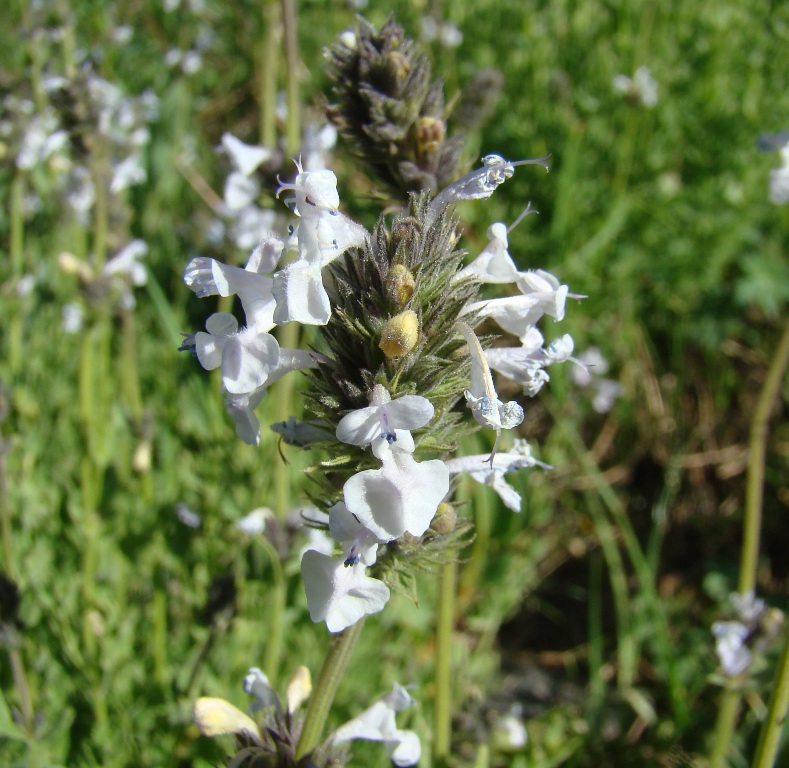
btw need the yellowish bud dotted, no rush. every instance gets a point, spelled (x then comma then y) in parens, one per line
(428, 135)
(299, 688)
(400, 334)
(400, 284)
(217, 717)
(445, 520)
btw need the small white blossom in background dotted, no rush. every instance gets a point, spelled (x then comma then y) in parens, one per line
(72, 317)
(443, 32)
(187, 516)
(509, 732)
(733, 655)
(779, 177)
(254, 523)
(25, 285)
(642, 88)
(590, 374)
(739, 640)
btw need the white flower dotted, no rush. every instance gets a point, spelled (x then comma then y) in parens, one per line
(383, 416)
(378, 724)
(246, 158)
(254, 523)
(314, 192)
(494, 264)
(525, 364)
(127, 262)
(481, 183)
(642, 87)
(481, 395)
(187, 516)
(246, 357)
(733, 656)
(322, 235)
(518, 457)
(42, 139)
(316, 145)
(251, 225)
(72, 317)
(127, 173)
(209, 277)
(400, 497)
(747, 606)
(338, 594)
(242, 406)
(240, 192)
(779, 179)
(358, 543)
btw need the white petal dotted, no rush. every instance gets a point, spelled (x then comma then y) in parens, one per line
(400, 497)
(208, 349)
(245, 157)
(338, 594)
(266, 255)
(221, 324)
(300, 295)
(409, 412)
(240, 191)
(247, 360)
(242, 410)
(359, 427)
(374, 724)
(405, 750)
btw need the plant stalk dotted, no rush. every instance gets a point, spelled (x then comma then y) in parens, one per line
(293, 135)
(770, 736)
(757, 449)
(332, 672)
(442, 714)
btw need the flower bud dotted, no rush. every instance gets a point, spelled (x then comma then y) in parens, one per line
(400, 334)
(397, 66)
(400, 284)
(428, 135)
(445, 520)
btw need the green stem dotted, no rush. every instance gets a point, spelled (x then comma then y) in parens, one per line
(267, 76)
(752, 525)
(754, 489)
(333, 670)
(471, 576)
(130, 384)
(275, 615)
(282, 393)
(442, 714)
(293, 135)
(770, 736)
(724, 727)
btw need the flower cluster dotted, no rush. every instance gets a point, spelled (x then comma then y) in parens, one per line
(401, 349)
(277, 734)
(749, 632)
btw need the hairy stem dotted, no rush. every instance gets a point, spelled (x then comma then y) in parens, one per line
(333, 670)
